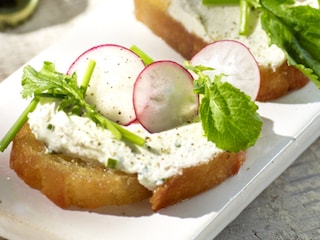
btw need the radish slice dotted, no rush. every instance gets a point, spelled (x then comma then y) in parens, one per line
(111, 85)
(233, 59)
(163, 96)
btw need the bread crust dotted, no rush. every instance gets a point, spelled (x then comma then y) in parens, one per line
(70, 182)
(197, 179)
(275, 83)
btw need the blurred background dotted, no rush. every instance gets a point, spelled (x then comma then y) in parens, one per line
(50, 21)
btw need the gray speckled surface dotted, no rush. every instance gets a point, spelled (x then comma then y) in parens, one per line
(288, 209)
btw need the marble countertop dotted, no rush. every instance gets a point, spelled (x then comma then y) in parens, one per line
(288, 209)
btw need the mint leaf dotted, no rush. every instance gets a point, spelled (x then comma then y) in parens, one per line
(229, 118)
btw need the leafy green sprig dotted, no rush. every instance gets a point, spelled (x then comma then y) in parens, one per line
(229, 117)
(48, 83)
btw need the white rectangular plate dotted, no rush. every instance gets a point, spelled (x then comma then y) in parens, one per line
(290, 125)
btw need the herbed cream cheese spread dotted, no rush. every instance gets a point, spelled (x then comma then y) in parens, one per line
(165, 154)
(222, 22)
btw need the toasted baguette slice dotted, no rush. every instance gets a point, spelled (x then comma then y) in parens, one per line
(71, 182)
(275, 82)
(68, 181)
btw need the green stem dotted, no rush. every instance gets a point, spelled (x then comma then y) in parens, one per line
(6, 140)
(117, 130)
(106, 123)
(244, 18)
(145, 58)
(130, 136)
(87, 76)
(120, 132)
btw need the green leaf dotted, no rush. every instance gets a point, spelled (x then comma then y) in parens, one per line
(295, 29)
(48, 81)
(229, 118)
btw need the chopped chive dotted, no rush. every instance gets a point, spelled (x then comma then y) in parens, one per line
(51, 127)
(112, 163)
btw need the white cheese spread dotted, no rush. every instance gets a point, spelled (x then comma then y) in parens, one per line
(164, 155)
(222, 22)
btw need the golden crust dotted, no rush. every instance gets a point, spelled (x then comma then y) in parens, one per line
(197, 179)
(67, 181)
(275, 84)
(71, 182)
(153, 13)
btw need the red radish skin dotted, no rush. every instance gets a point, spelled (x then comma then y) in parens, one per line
(233, 59)
(163, 96)
(111, 85)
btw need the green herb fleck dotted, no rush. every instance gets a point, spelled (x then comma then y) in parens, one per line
(51, 127)
(112, 163)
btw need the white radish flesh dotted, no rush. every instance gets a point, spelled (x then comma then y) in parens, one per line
(233, 59)
(163, 96)
(111, 84)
